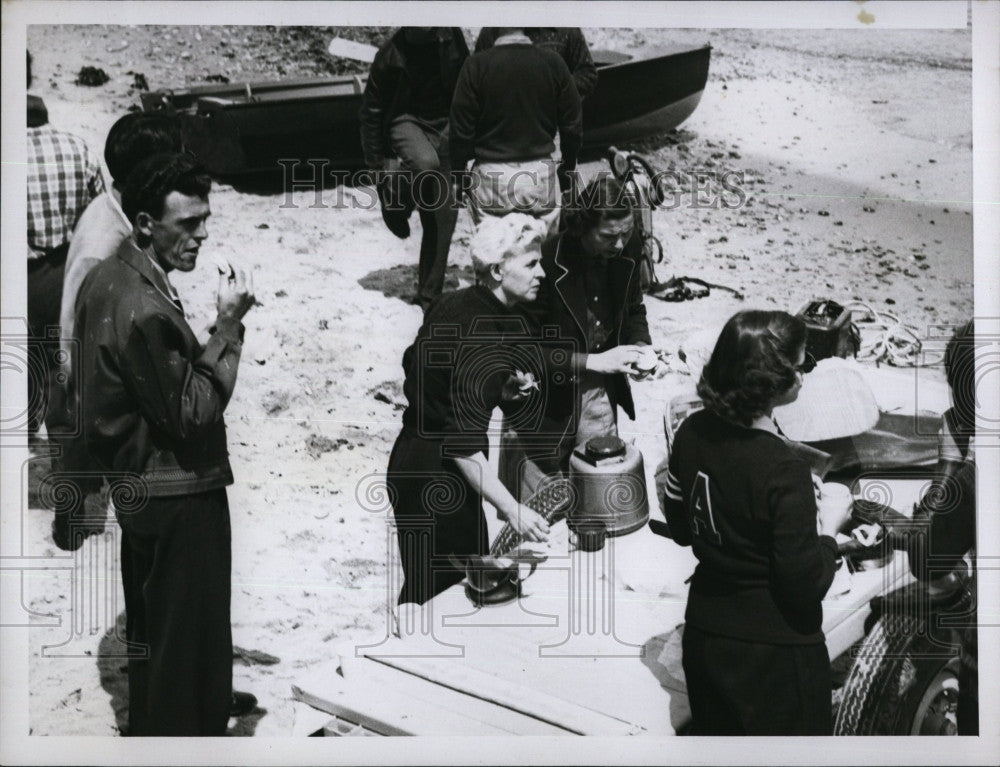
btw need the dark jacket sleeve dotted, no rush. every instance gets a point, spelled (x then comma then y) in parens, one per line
(178, 397)
(465, 110)
(581, 65)
(487, 36)
(570, 116)
(375, 103)
(803, 563)
(635, 326)
(944, 524)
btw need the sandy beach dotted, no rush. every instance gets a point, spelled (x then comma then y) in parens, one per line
(855, 151)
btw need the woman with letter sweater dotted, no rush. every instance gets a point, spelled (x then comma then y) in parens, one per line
(755, 657)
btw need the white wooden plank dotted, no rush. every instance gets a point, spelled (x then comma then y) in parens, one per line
(384, 709)
(548, 708)
(364, 670)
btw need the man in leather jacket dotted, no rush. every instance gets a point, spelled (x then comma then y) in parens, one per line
(404, 115)
(152, 399)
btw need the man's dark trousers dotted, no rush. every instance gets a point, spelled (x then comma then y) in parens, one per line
(176, 567)
(422, 148)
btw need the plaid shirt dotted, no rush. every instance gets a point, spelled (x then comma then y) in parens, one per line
(63, 177)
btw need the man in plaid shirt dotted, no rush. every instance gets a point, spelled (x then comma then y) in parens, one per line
(63, 177)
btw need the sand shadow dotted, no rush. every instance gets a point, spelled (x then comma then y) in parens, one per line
(662, 656)
(112, 666)
(401, 281)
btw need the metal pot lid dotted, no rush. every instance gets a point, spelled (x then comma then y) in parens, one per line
(605, 447)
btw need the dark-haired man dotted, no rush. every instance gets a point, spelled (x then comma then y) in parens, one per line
(152, 402)
(99, 233)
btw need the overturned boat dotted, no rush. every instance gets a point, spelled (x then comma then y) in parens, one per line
(240, 128)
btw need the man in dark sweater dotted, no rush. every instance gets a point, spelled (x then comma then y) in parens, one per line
(404, 114)
(510, 101)
(568, 42)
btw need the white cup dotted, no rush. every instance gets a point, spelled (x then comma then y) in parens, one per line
(836, 496)
(835, 493)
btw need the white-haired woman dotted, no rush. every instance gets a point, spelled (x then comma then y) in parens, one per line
(458, 370)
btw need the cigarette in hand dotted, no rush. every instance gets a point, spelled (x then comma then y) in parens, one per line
(224, 267)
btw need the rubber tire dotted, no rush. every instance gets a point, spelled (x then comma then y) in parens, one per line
(890, 680)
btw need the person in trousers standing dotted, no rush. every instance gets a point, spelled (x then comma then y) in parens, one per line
(152, 402)
(99, 233)
(754, 654)
(63, 178)
(510, 102)
(404, 115)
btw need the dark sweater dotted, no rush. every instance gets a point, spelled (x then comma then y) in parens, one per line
(746, 504)
(568, 42)
(457, 366)
(509, 102)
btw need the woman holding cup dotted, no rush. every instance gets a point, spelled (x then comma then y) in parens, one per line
(755, 657)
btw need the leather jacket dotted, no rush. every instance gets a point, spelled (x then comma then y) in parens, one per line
(151, 397)
(389, 88)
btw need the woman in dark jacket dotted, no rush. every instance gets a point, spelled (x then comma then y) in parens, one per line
(754, 654)
(463, 364)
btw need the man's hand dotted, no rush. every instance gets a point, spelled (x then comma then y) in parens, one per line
(621, 359)
(530, 524)
(648, 366)
(235, 293)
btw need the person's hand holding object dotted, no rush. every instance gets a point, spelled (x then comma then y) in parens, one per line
(648, 365)
(529, 524)
(235, 296)
(518, 386)
(834, 506)
(620, 359)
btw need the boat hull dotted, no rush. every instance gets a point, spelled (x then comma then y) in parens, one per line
(251, 127)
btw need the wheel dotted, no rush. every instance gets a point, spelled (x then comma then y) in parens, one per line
(936, 711)
(901, 683)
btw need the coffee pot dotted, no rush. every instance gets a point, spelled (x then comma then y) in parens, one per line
(609, 487)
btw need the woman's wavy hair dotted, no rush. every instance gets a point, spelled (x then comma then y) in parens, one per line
(753, 363)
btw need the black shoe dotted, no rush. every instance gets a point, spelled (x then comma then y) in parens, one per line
(396, 218)
(66, 538)
(242, 704)
(397, 221)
